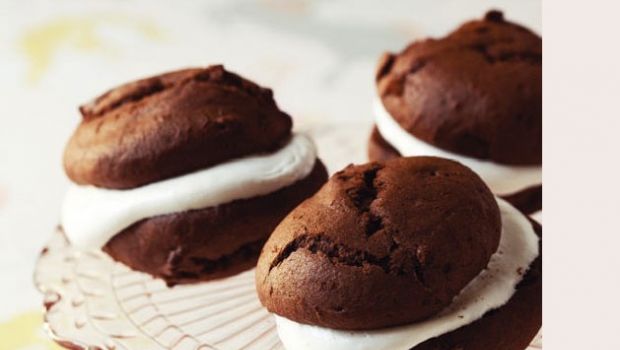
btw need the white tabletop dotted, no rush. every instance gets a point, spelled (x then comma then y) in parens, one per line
(318, 56)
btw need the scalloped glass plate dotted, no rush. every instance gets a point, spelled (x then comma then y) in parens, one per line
(92, 302)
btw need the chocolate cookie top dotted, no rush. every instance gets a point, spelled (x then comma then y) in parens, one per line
(476, 92)
(171, 124)
(381, 244)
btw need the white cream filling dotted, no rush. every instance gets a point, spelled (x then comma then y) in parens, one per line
(502, 179)
(492, 288)
(91, 216)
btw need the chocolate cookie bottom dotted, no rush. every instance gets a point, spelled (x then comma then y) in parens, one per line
(528, 200)
(510, 327)
(209, 243)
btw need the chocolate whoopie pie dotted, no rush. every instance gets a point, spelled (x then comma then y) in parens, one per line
(184, 175)
(172, 124)
(474, 94)
(400, 243)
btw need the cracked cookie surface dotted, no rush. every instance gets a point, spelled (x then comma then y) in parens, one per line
(381, 244)
(172, 124)
(476, 92)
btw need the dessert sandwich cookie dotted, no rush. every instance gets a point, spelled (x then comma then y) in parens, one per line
(408, 253)
(184, 175)
(474, 96)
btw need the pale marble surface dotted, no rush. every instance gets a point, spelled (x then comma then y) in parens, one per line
(318, 56)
